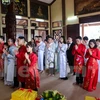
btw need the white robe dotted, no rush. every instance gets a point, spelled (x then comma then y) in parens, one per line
(45, 54)
(56, 56)
(4, 56)
(63, 60)
(41, 49)
(50, 56)
(98, 70)
(11, 69)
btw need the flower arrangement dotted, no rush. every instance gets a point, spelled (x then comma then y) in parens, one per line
(51, 95)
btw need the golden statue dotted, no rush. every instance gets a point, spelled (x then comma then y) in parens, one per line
(40, 12)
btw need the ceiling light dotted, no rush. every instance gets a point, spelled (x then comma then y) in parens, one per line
(18, 17)
(72, 18)
(40, 20)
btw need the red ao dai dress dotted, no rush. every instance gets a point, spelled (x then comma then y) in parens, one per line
(32, 80)
(91, 78)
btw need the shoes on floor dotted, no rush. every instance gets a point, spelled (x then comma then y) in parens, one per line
(66, 78)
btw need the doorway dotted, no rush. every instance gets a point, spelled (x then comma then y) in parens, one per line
(91, 30)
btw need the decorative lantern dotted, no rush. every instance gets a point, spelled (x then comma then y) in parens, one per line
(6, 2)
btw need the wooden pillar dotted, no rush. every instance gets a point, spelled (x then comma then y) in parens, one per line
(29, 29)
(51, 33)
(0, 20)
(64, 19)
(11, 22)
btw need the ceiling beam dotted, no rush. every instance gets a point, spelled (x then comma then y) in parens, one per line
(52, 2)
(40, 2)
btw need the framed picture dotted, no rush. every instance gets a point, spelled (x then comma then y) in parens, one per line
(38, 10)
(22, 22)
(43, 24)
(19, 22)
(86, 6)
(20, 8)
(57, 24)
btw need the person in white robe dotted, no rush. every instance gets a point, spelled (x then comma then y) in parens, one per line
(41, 49)
(62, 48)
(45, 54)
(56, 54)
(11, 60)
(4, 56)
(50, 56)
(98, 46)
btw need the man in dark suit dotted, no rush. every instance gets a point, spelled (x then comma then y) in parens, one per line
(70, 57)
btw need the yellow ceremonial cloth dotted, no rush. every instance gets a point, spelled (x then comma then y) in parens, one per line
(24, 94)
(90, 98)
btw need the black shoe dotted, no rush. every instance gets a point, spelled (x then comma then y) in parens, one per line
(60, 78)
(66, 78)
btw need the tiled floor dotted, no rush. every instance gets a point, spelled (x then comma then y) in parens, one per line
(67, 88)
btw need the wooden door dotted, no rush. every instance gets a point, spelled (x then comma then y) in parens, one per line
(73, 31)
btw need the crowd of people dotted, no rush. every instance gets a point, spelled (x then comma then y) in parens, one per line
(23, 62)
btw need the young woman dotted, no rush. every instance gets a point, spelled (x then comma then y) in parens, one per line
(50, 56)
(41, 48)
(98, 46)
(32, 76)
(91, 78)
(62, 48)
